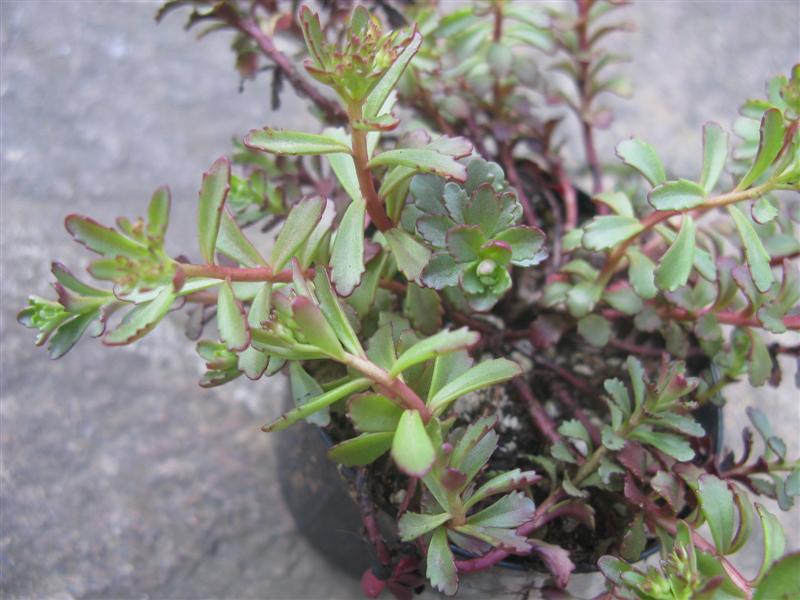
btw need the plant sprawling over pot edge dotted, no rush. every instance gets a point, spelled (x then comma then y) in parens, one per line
(514, 367)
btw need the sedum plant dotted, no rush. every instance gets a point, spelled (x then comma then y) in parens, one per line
(530, 363)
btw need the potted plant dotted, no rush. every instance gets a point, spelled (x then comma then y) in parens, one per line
(508, 368)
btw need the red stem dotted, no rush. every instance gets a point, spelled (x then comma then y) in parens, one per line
(539, 417)
(333, 112)
(239, 273)
(513, 177)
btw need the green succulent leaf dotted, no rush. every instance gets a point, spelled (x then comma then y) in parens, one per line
(774, 541)
(279, 141)
(441, 568)
(299, 224)
(595, 329)
(158, 213)
(103, 240)
(757, 257)
(681, 194)
(373, 413)
(608, 231)
(716, 503)
(641, 272)
(377, 97)
(315, 327)
(616, 201)
(676, 264)
(142, 320)
(334, 313)
(526, 245)
(347, 257)
(674, 445)
(443, 342)
(305, 388)
(422, 160)
(232, 243)
(413, 525)
(231, 319)
(68, 334)
(715, 153)
(641, 156)
(769, 146)
(213, 191)
(318, 403)
(361, 450)
(764, 210)
(781, 581)
(489, 372)
(511, 510)
(411, 256)
(412, 449)
(423, 307)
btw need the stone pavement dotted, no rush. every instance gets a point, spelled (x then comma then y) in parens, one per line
(119, 477)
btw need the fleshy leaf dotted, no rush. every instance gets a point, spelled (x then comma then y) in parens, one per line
(412, 525)
(318, 403)
(373, 413)
(715, 153)
(595, 329)
(377, 97)
(214, 190)
(781, 581)
(435, 345)
(769, 145)
(279, 141)
(641, 156)
(231, 319)
(315, 327)
(422, 160)
(681, 194)
(412, 449)
(716, 502)
(347, 257)
(489, 372)
(142, 319)
(608, 231)
(233, 244)
(757, 257)
(411, 256)
(441, 569)
(101, 239)
(362, 449)
(299, 224)
(676, 264)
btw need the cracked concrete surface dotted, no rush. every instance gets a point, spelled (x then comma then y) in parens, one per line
(119, 477)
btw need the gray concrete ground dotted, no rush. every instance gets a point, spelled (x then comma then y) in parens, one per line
(120, 477)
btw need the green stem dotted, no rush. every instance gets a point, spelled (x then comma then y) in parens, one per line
(653, 219)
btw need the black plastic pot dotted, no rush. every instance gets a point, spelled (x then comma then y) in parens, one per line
(318, 493)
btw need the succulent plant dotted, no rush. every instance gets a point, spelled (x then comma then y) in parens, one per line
(436, 259)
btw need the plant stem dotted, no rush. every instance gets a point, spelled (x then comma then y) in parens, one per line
(375, 208)
(239, 273)
(330, 108)
(584, 91)
(538, 415)
(659, 216)
(394, 386)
